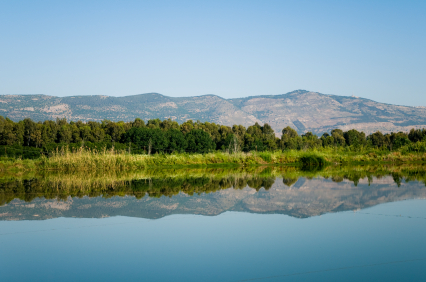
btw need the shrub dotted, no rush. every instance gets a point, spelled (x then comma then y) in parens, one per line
(312, 160)
(265, 156)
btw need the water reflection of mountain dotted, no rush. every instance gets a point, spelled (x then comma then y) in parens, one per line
(298, 197)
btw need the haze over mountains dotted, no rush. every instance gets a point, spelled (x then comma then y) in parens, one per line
(300, 109)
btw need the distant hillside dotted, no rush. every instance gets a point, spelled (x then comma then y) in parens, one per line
(302, 110)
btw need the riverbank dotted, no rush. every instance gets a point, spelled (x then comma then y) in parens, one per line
(88, 160)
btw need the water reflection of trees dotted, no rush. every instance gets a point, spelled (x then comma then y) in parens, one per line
(157, 183)
(29, 189)
(289, 181)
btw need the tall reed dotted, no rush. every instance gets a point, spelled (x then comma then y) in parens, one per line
(90, 160)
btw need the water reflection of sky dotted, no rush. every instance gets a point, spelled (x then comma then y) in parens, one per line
(382, 243)
(267, 229)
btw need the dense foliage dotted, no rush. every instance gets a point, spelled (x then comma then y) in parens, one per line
(29, 139)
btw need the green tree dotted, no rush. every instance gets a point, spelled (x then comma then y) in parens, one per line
(311, 141)
(416, 135)
(240, 131)
(327, 140)
(231, 144)
(138, 123)
(97, 132)
(199, 141)
(378, 140)
(65, 134)
(49, 132)
(8, 132)
(176, 141)
(145, 138)
(259, 138)
(168, 124)
(36, 135)
(354, 138)
(153, 123)
(29, 128)
(268, 137)
(339, 140)
(75, 132)
(187, 126)
(290, 140)
(398, 140)
(114, 129)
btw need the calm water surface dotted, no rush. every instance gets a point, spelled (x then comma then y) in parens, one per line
(302, 229)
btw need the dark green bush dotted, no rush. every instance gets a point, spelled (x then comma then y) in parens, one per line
(313, 160)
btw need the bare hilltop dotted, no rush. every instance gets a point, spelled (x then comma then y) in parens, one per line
(300, 109)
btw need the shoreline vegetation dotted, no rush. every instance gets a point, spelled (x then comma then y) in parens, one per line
(108, 145)
(91, 160)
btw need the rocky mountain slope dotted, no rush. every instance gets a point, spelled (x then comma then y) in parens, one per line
(302, 110)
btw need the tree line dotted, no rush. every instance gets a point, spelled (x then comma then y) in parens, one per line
(30, 139)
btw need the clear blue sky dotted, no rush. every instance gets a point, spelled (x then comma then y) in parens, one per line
(371, 49)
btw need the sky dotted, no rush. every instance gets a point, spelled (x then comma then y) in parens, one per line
(370, 49)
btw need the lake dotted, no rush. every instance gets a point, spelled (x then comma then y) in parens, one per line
(365, 223)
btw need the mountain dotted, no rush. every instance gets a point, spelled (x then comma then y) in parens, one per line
(302, 110)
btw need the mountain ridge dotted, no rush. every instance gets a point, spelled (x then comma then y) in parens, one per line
(301, 109)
